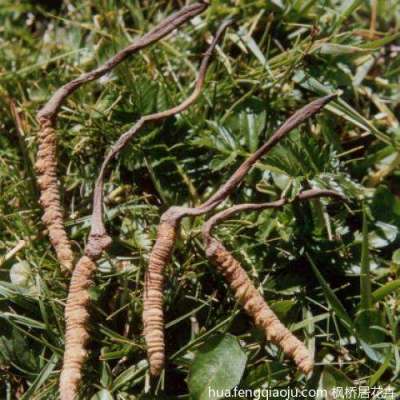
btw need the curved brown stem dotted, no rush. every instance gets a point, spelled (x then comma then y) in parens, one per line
(97, 229)
(161, 30)
(46, 164)
(244, 290)
(173, 216)
(76, 314)
(229, 212)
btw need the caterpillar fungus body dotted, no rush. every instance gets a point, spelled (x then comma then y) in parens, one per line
(244, 290)
(76, 335)
(46, 168)
(153, 319)
(46, 160)
(76, 314)
(153, 301)
(252, 301)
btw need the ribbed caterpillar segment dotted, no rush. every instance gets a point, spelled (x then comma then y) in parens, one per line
(254, 304)
(46, 167)
(153, 316)
(76, 332)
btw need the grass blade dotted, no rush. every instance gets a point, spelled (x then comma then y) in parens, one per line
(385, 290)
(331, 297)
(365, 279)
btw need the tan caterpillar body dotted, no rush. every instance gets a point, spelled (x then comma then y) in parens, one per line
(46, 168)
(153, 319)
(76, 334)
(256, 307)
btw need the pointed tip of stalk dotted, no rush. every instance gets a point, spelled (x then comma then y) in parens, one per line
(229, 21)
(204, 3)
(225, 24)
(326, 99)
(319, 103)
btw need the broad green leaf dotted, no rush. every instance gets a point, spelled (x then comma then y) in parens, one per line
(16, 349)
(282, 307)
(218, 365)
(396, 256)
(383, 235)
(281, 180)
(368, 325)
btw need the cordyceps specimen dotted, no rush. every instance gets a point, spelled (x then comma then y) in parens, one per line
(153, 317)
(246, 293)
(46, 164)
(76, 311)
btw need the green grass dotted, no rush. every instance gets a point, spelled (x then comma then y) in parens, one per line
(330, 271)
